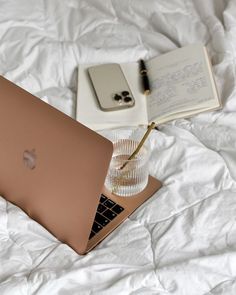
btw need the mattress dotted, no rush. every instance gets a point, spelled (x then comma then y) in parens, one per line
(182, 240)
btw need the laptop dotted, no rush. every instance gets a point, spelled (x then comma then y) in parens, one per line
(54, 169)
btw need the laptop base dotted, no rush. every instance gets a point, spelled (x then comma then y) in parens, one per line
(130, 204)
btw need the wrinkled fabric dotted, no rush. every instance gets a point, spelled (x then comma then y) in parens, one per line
(182, 240)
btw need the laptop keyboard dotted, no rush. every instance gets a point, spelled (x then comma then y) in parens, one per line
(107, 210)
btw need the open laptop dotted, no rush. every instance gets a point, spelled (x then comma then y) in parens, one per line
(54, 169)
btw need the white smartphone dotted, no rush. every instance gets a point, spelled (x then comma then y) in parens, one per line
(111, 87)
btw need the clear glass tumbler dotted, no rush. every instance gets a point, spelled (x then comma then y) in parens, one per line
(127, 177)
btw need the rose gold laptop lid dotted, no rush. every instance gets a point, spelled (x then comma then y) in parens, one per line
(52, 167)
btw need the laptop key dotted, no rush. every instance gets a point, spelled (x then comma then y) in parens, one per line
(96, 227)
(103, 198)
(101, 219)
(101, 208)
(117, 209)
(92, 234)
(109, 214)
(109, 203)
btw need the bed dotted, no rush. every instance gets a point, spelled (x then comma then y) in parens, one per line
(181, 241)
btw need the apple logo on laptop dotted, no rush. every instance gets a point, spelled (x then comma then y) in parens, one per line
(29, 158)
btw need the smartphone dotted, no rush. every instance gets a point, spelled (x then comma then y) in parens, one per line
(111, 87)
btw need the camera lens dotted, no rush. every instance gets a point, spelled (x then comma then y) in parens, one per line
(117, 97)
(127, 99)
(125, 93)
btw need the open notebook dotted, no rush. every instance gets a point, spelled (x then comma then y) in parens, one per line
(182, 84)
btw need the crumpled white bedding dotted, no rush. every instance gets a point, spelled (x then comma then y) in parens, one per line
(183, 240)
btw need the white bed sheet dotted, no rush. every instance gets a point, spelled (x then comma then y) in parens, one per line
(183, 240)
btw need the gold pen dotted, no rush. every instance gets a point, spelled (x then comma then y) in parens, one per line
(144, 77)
(141, 143)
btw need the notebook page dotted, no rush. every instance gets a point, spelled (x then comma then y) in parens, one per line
(180, 81)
